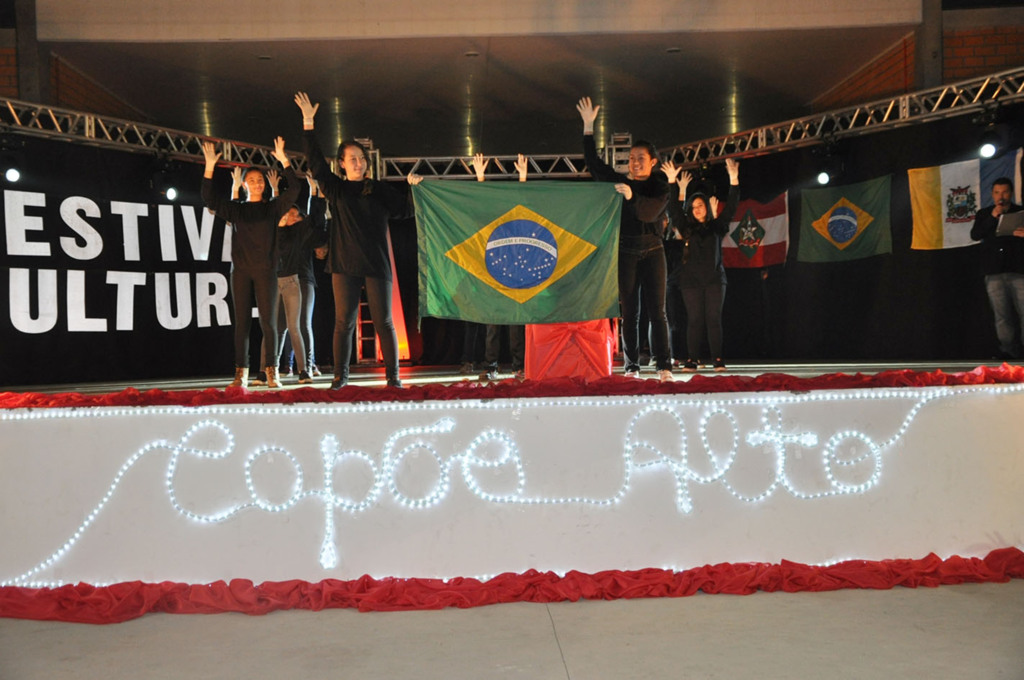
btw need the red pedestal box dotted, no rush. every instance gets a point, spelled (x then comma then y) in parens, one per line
(570, 350)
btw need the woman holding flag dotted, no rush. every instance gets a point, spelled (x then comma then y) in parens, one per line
(641, 253)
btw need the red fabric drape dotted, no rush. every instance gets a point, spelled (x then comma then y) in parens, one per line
(509, 389)
(112, 604)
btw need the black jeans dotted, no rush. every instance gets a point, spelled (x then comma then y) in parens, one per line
(704, 315)
(642, 269)
(346, 314)
(243, 283)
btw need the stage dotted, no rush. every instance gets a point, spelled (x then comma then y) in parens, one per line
(453, 478)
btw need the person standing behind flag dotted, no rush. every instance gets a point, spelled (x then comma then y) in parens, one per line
(700, 274)
(1003, 263)
(641, 254)
(357, 244)
(516, 332)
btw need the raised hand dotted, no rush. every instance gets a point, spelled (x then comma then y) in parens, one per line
(684, 181)
(479, 165)
(670, 170)
(211, 155)
(273, 179)
(732, 166)
(236, 181)
(308, 109)
(588, 112)
(413, 179)
(279, 153)
(522, 166)
(713, 205)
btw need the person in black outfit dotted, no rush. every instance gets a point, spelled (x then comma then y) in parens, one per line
(358, 250)
(297, 236)
(641, 253)
(253, 265)
(1003, 262)
(699, 271)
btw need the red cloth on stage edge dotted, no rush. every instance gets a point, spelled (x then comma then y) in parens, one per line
(513, 389)
(123, 601)
(570, 350)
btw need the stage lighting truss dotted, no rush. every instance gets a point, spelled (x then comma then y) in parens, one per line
(956, 99)
(948, 101)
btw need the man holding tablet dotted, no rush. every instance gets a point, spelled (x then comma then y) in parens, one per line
(1001, 232)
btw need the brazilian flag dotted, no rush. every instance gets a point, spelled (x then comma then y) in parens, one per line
(846, 223)
(518, 252)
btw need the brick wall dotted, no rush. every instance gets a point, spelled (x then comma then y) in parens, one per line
(72, 89)
(889, 74)
(8, 72)
(972, 52)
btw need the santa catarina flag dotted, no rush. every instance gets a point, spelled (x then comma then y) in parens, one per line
(845, 223)
(759, 234)
(518, 253)
(944, 198)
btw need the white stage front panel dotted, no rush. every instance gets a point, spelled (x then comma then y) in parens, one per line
(477, 488)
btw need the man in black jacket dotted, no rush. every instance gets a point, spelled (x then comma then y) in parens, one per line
(1003, 262)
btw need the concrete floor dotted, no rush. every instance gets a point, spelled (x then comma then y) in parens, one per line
(964, 631)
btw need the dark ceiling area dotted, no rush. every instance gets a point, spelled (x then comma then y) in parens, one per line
(503, 95)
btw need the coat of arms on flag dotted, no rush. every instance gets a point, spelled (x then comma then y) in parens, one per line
(945, 198)
(516, 253)
(760, 235)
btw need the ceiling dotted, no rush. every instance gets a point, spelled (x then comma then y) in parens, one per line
(452, 96)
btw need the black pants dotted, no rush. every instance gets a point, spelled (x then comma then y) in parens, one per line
(264, 283)
(704, 316)
(346, 315)
(642, 269)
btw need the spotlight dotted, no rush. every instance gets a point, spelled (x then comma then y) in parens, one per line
(995, 135)
(11, 158)
(831, 169)
(829, 161)
(994, 140)
(162, 180)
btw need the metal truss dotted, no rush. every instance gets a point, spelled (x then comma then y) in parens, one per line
(957, 99)
(86, 128)
(498, 167)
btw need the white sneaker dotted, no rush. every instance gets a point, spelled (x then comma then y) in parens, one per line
(666, 376)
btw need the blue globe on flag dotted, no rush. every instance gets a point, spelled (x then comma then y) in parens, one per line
(842, 224)
(521, 254)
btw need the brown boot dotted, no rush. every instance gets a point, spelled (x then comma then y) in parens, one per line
(241, 378)
(272, 380)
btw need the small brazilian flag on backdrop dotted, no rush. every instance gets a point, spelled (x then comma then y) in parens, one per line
(845, 223)
(518, 253)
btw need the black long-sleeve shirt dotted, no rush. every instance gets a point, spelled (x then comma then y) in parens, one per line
(645, 212)
(254, 224)
(700, 256)
(358, 237)
(295, 243)
(1000, 253)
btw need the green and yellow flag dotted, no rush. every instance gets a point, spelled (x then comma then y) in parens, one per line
(514, 253)
(845, 223)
